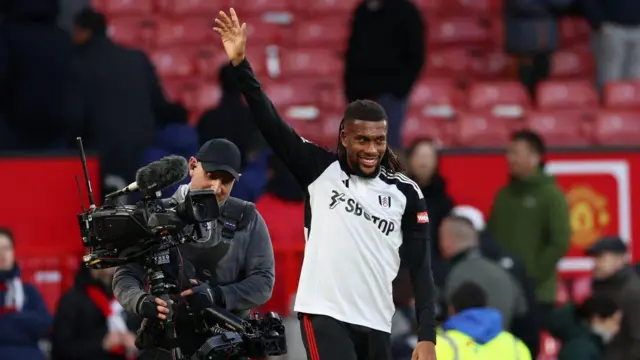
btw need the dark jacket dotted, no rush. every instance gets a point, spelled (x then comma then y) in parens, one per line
(20, 331)
(39, 97)
(385, 52)
(122, 101)
(530, 220)
(79, 326)
(620, 12)
(578, 342)
(624, 288)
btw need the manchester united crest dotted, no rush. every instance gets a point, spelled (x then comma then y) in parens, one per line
(589, 215)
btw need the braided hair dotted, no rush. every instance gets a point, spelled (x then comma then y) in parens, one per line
(367, 110)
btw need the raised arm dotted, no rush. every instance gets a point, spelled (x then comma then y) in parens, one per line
(304, 159)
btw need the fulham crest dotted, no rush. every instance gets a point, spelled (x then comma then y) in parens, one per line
(384, 201)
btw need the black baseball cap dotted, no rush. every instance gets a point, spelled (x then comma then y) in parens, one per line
(220, 155)
(612, 244)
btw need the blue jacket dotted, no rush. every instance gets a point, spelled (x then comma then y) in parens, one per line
(20, 331)
(481, 324)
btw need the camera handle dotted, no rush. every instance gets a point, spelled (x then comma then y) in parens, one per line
(159, 289)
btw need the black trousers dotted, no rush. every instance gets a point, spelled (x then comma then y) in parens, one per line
(326, 338)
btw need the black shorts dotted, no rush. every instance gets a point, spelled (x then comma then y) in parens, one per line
(326, 338)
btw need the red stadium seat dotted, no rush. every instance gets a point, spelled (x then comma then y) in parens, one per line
(308, 129)
(417, 126)
(333, 7)
(617, 128)
(452, 62)
(561, 127)
(572, 64)
(504, 98)
(191, 7)
(182, 90)
(491, 65)
(132, 31)
(324, 31)
(436, 97)
(621, 95)
(570, 94)
(574, 30)
(311, 62)
(261, 6)
(183, 31)
(473, 7)
(45, 273)
(263, 32)
(302, 93)
(459, 31)
(208, 96)
(126, 7)
(174, 62)
(330, 125)
(483, 130)
(429, 6)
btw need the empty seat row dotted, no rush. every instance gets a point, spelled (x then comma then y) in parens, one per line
(182, 7)
(510, 99)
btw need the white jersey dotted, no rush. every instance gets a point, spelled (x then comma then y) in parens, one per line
(358, 229)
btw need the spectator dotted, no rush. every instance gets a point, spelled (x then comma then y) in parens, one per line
(459, 244)
(527, 326)
(39, 107)
(89, 323)
(531, 29)
(614, 278)
(423, 169)
(232, 120)
(174, 137)
(384, 58)
(616, 26)
(24, 318)
(586, 330)
(530, 217)
(474, 330)
(123, 96)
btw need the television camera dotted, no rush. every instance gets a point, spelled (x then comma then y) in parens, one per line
(144, 233)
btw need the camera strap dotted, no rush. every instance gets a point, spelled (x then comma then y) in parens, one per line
(234, 217)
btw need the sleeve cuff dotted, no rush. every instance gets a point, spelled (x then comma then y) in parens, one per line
(428, 334)
(228, 295)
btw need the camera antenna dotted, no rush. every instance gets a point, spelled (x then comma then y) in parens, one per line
(83, 157)
(80, 194)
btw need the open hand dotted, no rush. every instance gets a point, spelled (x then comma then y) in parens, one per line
(425, 350)
(233, 35)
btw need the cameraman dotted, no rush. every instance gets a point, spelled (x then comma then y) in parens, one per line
(231, 266)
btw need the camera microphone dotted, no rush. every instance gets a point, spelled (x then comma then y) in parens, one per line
(156, 176)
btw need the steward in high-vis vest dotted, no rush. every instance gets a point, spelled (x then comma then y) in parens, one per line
(475, 332)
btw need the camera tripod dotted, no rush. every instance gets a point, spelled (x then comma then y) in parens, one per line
(160, 289)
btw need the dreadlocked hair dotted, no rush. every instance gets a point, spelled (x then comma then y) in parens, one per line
(367, 110)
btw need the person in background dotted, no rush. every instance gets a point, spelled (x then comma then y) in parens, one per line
(39, 89)
(530, 217)
(616, 32)
(174, 137)
(527, 326)
(232, 120)
(585, 330)
(24, 318)
(422, 162)
(615, 278)
(474, 330)
(90, 324)
(123, 97)
(459, 244)
(384, 58)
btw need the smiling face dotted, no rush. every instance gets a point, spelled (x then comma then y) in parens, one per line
(365, 143)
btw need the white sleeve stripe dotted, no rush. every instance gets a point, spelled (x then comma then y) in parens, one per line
(403, 179)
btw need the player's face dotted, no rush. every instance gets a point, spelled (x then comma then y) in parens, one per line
(6, 253)
(219, 181)
(366, 143)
